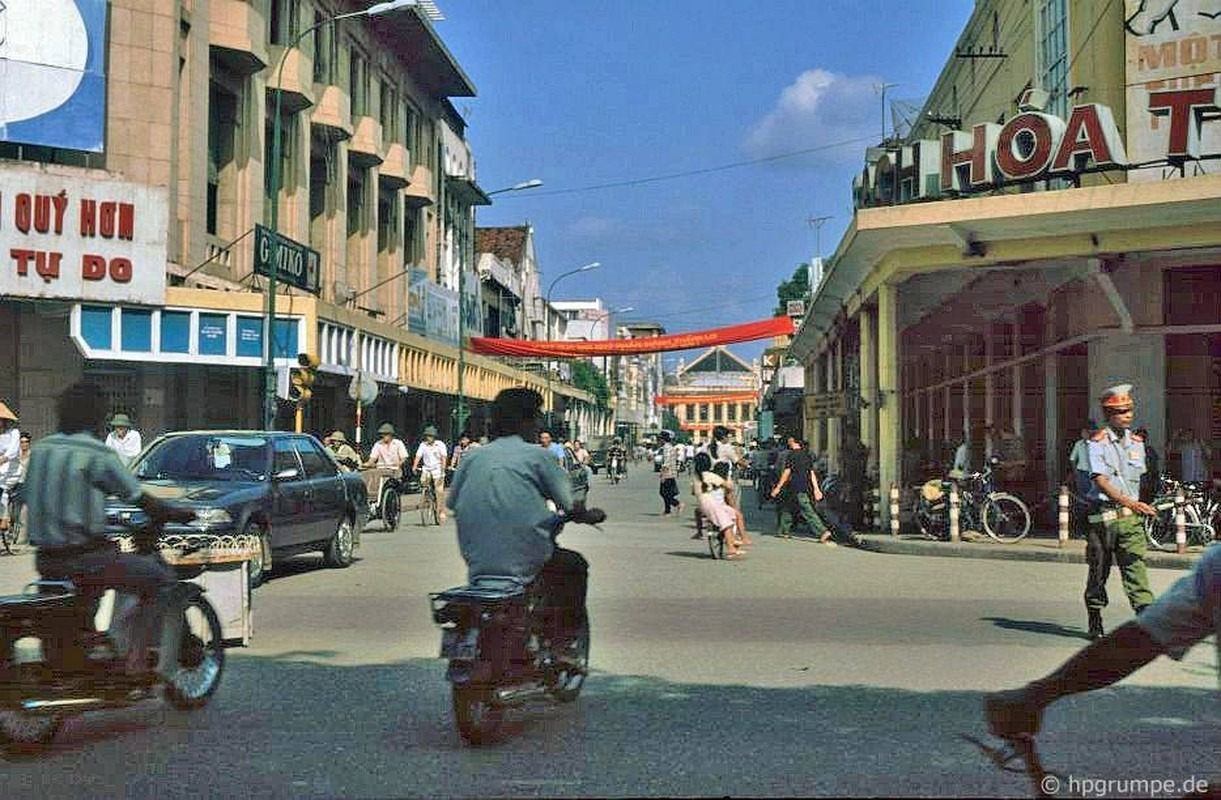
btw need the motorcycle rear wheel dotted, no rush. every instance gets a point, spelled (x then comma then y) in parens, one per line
(716, 544)
(26, 734)
(202, 659)
(570, 679)
(478, 716)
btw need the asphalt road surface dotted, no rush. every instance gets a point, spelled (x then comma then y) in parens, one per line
(800, 670)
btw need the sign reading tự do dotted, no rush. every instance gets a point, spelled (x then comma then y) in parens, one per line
(297, 264)
(69, 236)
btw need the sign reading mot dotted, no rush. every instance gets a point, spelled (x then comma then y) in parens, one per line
(78, 238)
(296, 264)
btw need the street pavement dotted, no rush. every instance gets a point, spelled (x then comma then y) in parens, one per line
(799, 670)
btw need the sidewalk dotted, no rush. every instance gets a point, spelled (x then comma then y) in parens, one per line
(1031, 548)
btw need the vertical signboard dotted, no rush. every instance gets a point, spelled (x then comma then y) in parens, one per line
(52, 73)
(1173, 45)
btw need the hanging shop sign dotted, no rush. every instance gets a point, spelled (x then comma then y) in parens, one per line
(826, 404)
(747, 332)
(296, 264)
(1179, 54)
(1031, 146)
(79, 238)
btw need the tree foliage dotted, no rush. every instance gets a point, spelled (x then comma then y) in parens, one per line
(586, 377)
(795, 288)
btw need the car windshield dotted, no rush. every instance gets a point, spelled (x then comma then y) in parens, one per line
(205, 457)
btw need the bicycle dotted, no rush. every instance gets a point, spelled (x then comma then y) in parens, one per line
(1002, 516)
(1199, 508)
(429, 508)
(11, 534)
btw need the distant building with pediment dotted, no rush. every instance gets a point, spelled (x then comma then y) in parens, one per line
(716, 388)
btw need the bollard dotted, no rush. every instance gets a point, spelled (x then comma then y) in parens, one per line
(1180, 523)
(894, 509)
(875, 500)
(1063, 515)
(955, 533)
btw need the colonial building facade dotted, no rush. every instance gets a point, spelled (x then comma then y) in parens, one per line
(133, 243)
(1050, 227)
(716, 389)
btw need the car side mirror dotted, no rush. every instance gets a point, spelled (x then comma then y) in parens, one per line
(292, 473)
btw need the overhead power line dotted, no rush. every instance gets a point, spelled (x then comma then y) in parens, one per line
(704, 171)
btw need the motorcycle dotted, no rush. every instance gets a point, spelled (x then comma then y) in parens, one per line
(499, 645)
(76, 668)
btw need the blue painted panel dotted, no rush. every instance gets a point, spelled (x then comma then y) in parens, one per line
(213, 334)
(175, 332)
(250, 337)
(136, 330)
(95, 326)
(285, 339)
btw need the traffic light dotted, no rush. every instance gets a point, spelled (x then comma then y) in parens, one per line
(301, 381)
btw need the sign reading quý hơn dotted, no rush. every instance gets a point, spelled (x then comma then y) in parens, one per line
(77, 238)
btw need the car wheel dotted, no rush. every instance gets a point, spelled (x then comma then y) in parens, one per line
(340, 552)
(259, 565)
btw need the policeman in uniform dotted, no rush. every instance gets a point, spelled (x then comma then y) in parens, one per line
(1116, 534)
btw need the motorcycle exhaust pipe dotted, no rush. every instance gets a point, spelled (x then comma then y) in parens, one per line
(520, 694)
(68, 704)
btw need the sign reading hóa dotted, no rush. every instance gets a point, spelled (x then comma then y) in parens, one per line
(297, 265)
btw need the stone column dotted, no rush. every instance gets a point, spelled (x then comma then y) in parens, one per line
(890, 412)
(869, 387)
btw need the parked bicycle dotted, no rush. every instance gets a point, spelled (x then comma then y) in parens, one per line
(1201, 510)
(1002, 516)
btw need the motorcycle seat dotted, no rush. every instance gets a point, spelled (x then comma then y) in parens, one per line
(484, 590)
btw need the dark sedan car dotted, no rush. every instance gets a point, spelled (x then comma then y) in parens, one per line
(282, 488)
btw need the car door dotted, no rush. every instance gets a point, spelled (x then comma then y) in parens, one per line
(326, 494)
(292, 504)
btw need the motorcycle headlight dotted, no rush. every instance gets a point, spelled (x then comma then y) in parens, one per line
(210, 518)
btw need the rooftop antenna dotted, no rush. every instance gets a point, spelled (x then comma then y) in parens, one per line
(816, 223)
(882, 87)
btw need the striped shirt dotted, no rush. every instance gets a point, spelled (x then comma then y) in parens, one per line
(66, 485)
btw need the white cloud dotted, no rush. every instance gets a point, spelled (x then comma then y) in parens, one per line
(819, 108)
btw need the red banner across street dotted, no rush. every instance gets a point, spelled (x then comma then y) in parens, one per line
(747, 332)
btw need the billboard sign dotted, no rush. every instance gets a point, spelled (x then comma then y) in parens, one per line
(81, 238)
(1173, 81)
(52, 73)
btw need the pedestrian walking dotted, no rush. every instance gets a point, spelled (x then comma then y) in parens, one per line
(1079, 469)
(124, 439)
(1193, 456)
(1116, 534)
(798, 481)
(668, 488)
(14, 485)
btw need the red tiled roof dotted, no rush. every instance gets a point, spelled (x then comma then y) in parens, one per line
(507, 244)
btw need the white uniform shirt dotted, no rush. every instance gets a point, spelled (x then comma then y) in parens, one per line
(127, 447)
(10, 448)
(432, 457)
(392, 455)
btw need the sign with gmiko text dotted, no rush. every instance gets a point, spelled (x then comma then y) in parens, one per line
(69, 236)
(297, 264)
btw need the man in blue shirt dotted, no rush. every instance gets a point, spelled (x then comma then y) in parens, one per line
(1117, 533)
(499, 495)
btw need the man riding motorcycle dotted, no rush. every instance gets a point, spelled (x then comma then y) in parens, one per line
(70, 474)
(499, 496)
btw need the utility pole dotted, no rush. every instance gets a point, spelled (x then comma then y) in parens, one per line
(816, 223)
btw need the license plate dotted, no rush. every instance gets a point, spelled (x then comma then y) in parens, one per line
(461, 644)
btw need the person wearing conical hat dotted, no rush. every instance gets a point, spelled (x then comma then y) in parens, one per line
(347, 458)
(124, 439)
(1117, 532)
(388, 452)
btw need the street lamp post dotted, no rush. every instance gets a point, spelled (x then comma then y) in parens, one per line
(269, 353)
(460, 412)
(547, 311)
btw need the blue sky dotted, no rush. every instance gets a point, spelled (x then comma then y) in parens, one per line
(581, 94)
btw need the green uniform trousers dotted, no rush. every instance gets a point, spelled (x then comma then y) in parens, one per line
(802, 505)
(1121, 542)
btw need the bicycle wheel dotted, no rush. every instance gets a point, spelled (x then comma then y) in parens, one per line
(427, 506)
(716, 544)
(1006, 518)
(436, 509)
(1159, 531)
